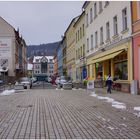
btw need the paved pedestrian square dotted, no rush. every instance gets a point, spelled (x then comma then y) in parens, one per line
(67, 114)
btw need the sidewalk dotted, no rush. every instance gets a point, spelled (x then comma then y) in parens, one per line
(127, 98)
(68, 114)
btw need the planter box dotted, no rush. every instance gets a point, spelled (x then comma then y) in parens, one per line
(98, 83)
(67, 86)
(125, 87)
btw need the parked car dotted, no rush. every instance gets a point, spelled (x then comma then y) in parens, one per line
(1, 82)
(57, 80)
(49, 79)
(24, 82)
(34, 79)
(64, 81)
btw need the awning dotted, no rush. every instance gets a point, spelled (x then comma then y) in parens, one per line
(106, 57)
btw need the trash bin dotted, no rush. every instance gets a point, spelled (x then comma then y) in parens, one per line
(134, 87)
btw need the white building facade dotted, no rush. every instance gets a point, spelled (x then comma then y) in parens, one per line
(43, 65)
(108, 39)
(13, 60)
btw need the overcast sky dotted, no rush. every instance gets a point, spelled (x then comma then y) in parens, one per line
(40, 22)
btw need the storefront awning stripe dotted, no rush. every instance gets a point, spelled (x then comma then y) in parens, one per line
(106, 57)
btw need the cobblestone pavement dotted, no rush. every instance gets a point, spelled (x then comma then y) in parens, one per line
(66, 114)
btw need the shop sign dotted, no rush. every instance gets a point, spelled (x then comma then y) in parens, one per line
(111, 42)
(84, 72)
(5, 47)
(3, 63)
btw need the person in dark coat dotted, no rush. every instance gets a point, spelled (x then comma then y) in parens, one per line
(109, 83)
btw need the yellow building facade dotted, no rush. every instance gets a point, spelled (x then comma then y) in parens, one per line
(70, 50)
(80, 60)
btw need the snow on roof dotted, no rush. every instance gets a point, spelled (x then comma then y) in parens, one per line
(40, 57)
(30, 67)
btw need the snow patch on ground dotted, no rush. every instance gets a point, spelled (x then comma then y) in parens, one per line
(137, 108)
(119, 106)
(8, 92)
(137, 113)
(110, 127)
(115, 104)
(93, 94)
(122, 124)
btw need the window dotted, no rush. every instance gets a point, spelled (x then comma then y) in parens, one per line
(107, 31)
(124, 18)
(37, 60)
(121, 70)
(76, 37)
(51, 60)
(91, 42)
(99, 70)
(78, 53)
(96, 39)
(80, 33)
(87, 20)
(87, 44)
(115, 25)
(83, 29)
(101, 35)
(106, 3)
(95, 10)
(91, 15)
(83, 50)
(100, 7)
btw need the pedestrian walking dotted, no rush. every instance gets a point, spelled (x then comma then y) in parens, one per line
(109, 83)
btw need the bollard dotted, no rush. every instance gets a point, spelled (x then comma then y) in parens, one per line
(9, 85)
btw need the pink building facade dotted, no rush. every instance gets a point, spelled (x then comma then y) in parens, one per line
(136, 40)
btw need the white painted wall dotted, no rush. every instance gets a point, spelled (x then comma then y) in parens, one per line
(7, 33)
(114, 8)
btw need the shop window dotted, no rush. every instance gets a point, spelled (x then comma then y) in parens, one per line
(99, 70)
(121, 72)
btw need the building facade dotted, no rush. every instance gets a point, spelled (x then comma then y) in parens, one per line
(13, 61)
(136, 40)
(108, 39)
(43, 65)
(80, 59)
(55, 71)
(70, 43)
(64, 57)
(60, 58)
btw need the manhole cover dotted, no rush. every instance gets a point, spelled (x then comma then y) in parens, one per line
(24, 106)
